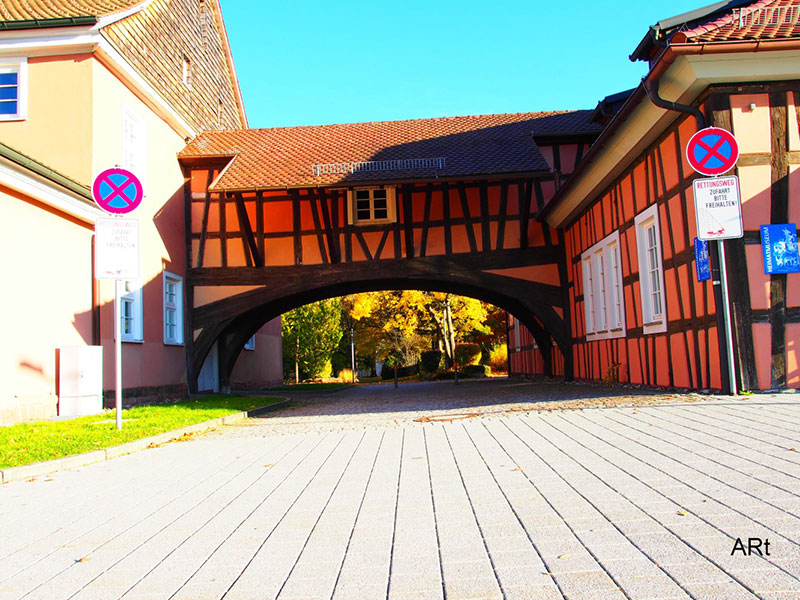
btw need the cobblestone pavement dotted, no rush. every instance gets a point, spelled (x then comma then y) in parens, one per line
(491, 495)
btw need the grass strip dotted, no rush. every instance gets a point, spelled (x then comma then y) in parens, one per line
(28, 443)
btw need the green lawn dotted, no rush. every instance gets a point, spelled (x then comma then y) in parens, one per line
(44, 440)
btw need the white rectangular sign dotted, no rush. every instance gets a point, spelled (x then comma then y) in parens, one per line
(116, 249)
(718, 208)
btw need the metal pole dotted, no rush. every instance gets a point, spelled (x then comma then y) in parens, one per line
(455, 367)
(727, 313)
(395, 376)
(352, 355)
(118, 353)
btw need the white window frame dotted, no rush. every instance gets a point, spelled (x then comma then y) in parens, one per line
(172, 307)
(20, 67)
(391, 205)
(651, 271)
(251, 343)
(132, 296)
(134, 144)
(603, 291)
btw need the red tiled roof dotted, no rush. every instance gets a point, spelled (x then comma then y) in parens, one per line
(764, 19)
(23, 10)
(471, 146)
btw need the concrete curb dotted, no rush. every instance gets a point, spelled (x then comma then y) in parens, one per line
(81, 460)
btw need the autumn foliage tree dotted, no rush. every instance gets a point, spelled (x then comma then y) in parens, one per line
(310, 335)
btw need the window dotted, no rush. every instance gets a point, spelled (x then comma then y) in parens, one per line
(651, 272)
(13, 89)
(131, 311)
(251, 343)
(603, 300)
(134, 144)
(173, 309)
(372, 205)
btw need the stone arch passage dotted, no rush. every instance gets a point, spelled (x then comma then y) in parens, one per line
(232, 320)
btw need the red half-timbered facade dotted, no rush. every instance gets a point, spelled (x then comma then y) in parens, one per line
(277, 218)
(639, 314)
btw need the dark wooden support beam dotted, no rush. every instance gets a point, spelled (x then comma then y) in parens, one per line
(423, 246)
(318, 228)
(260, 226)
(363, 243)
(524, 191)
(381, 245)
(333, 250)
(779, 213)
(297, 227)
(501, 225)
(223, 228)
(486, 237)
(462, 194)
(448, 227)
(408, 220)
(249, 241)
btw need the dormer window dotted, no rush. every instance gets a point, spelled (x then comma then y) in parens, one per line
(13, 89)
(369, 205)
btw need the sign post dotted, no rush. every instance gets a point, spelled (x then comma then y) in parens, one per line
(713, 151)
(118, 192)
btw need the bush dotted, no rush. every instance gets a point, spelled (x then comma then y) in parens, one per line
(498, 358)
(430, 361)
(388, 373)
(476, 371)
(468, 354)
(346, 376)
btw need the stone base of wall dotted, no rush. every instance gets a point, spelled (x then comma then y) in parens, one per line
(27, 408)
(163, 394)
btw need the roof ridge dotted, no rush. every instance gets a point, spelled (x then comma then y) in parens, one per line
(451, 117)
(723, 20)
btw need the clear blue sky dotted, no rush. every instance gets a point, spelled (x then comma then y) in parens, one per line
(316, 62)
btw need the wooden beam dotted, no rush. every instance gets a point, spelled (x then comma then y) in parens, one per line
(462, 194)
(204, 225)
(408, 221)
(501, 225)
(423, 246)
(312, 200)
(486, 238)
(448, 227)
(248, 240)
(297, 227)
(333, 250)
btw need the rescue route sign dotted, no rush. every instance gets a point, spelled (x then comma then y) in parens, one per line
(718, 209)
(712, 151)
(116, 249)
(117, 191)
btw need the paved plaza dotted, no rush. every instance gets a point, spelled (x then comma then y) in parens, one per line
(489, 489)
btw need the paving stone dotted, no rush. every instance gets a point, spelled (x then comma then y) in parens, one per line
(369, 496)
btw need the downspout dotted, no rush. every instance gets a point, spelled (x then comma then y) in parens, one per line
(651, 87)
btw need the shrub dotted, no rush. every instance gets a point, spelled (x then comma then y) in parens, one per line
(430, 361)
(498, 358)
(346, 376)
(476, 370)
(468, 354)
(388, 373)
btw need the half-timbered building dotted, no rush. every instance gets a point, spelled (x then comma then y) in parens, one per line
(280, 217)
(627, 213)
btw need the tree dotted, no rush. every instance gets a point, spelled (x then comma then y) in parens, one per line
(310, 335)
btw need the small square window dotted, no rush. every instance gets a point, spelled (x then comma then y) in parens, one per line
(13, 89)
(372, 205)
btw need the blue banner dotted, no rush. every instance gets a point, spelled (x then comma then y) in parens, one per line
(701, 261)
(779, 244)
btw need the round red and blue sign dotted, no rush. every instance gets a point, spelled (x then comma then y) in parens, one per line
(712, 151)
(117, 191)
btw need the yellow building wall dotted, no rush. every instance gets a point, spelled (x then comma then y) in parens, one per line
(58, 129)
(45, 302)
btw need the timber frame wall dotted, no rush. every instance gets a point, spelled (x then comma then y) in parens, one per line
(766, 308)
(256, 254)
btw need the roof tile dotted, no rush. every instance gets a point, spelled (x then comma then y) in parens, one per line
(470, 145)
(762, 20)
(23, 10)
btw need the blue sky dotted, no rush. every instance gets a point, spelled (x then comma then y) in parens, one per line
(314, 62)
